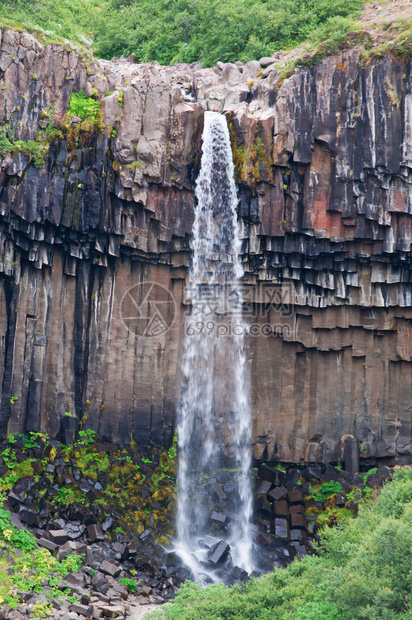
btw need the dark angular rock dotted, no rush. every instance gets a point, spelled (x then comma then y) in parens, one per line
(89, 519)
(67, 437)
(94, 532)
(277, 493)
(100, 584)
(94, 495)
(312, 473)
(112, 611)
(351, 454)
(82, 610)
(48, 544)
(145, 536)
(15, 501)
(3, 470)
(218, 491)
(263, 488)
(297, 517)
(219, 518)
(280, 528)
(385, 473)
(219, 553)
(223, 476)
(295, 497)
(291, 478)
(77, 579)
(86, 485)
(263, 505)
(27, 515)
(110, 569)
(280, 509)
(331, 474)
(58, 536)
(340, 499)
(272, 475)
(121, 550)
(107, 523)
(239, 574)
(74, 531)
(71, 547)
(298, 535)
(301, 551)
(23, 486)
(69, 423)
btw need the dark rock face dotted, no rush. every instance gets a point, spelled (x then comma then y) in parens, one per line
(324, 170)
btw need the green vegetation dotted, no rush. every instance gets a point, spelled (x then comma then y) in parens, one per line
(182, 30)
(130, 584)
(33, 567)
(78, 134)
(18, 538)
(121, 474)
(83, 107)
(327, 489)
(363, 571)
(35, 150)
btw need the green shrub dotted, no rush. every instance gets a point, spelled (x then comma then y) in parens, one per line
(5, 145)
(327, 489)
(182, 30)
(83, 107)
(130, 584)
(363, 571)
(10, 534)
(191, 30)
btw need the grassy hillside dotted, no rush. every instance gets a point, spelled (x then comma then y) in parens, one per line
(182, 30)
(363, 572)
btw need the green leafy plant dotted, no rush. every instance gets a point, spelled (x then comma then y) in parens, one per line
(327, 489)
(130, 584)
(83, 107)
(41, 610)
(21, 539)
(5, 145)
(370, 472)
(9, 457)
(86, 437)
(70, 564)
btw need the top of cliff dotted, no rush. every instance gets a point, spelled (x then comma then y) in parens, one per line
(189, 31)
(292, 33)
(384, 27)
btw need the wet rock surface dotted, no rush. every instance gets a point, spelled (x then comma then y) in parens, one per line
(323, 162)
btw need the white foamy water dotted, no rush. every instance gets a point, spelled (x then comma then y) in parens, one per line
(214, 416)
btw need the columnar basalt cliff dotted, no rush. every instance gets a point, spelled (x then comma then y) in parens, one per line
(324, 167)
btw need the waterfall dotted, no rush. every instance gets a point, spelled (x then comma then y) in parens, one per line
(214, 417)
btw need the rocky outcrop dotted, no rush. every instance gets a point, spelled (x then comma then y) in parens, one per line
(323, 161)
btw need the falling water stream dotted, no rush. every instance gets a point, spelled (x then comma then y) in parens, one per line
(214, 416)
